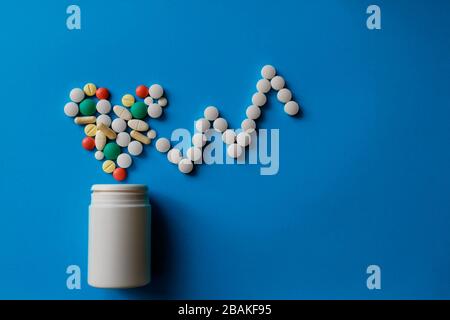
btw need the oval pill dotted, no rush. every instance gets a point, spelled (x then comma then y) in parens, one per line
(268, 72)
(122, 113)
(108, 166)
(135, 148)
(76, 95)
(154, 110)
(71, 109)
(128, 100)
(123, 139)
(119, 125)
(140, 137)
(163, 145)
(90, 130)
(85, 120)
(124, 160)
(111, 135)
(138, 125)
(220, 124)
(100, 140)
(89, 89)
(155, 91)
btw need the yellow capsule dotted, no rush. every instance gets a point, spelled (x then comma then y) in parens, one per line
(89, 89)
(90, 130)
(108, 166)
(127, 100)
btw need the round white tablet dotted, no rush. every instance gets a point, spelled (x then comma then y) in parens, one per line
(71, 109)
(268, 71)
(229, 136)
(103, 106)
(151, 134)
(259, 99)
(124, 160)
(135, 148)
(284, 95)
(253, 112)
(277, 83)
(243, 139)
(154, 110)
(155, 91)
(76, 95)
(148, 100)
(99, 155)
(263, 85)
(202, 125)
(248, 125)
(162, 145)
(220, 124)
(199, 139)
(194, 154)
(162, 102)
(105, 119)
(119, 125)
(211, 113)
(291, 108)
(123, 139)
(174, 155)
(234, 150)
(185, 166)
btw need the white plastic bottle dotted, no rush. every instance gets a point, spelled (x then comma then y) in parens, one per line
(119, 236)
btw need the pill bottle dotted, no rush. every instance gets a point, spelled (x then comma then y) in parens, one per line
(119, 236)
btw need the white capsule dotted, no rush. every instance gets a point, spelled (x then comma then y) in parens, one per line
(259, 99)
(229, 136)
(155, 91)
(263, 85)
(234, 150)
(124, 160)
(162, 145)
(105, 119)
(135, 148)
(277, 83)
(154, 110)
(291, 108)
(162, 102)
(253, 112)
(174, 155)
(248, 125)
(71, 109)
(211, 113)
(202, 125)
(194, 154)
(268, 72)
(151, 134)
(76, 95)
(220, 124)
(243, 139)
(185, 166)
(123, 139)
(199, 139)
(119, 125)
(148, 100)
(99, 155)
(103, 106)
(284, 95)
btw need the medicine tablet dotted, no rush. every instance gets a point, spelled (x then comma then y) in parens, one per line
(259, 99)
(87, 107)
(211, 113)
(155, 91)
(162, 145)
(85, 120)
(76, 95)
(119, 125)
(139, 137)
(122, 113)
(89, 89)
(199, 139)
(138, 125)
(151, 134)
(99, 155)
(142, 91)
(243, 139)
(194, 154)
(100, 140)
(90, 130)
(234, 150)
(248, 125)
(162, 102)
(111, 151)
(253, 112)
(111, 135)
(139, 110)
(268, 72)
(284, 95)
(128, 100)
(88, 143)
(102, 93)
(229, 136)
(220, 124)
(263, 86)
(185, 166)
(135, 148)
(124, 160)
(108, 166)
(148, 101)
(120, 174)
(123, 139)
(71, 109)
(103, 106)
(174, 155)
(277, 83)
(291, 108)
(105, 119)
(154, 110)
(202, 125)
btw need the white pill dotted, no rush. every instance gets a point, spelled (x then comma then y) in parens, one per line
(162, 145)
(103, 106)
(199, 139)
(119, 125)
(243, 139)
(234, 150)
(162, 102)
(211, 113)
(263, 85)
(291, 108)
(268, 72)
(105, 119)
(277, 83)
(229, 136)
(174, 155)
(124, 160)
(99, 155)
(76, 95)
(253, 112)
(185, 166)
(123, 139)
(135, 148)
(155, 91)
(248, 125)
(194, 154)
(220, 124)
(284, 95)
(202, 125)
(154, 110)
(71, 109)
(151, 134)
(148, 100)
(259, 99)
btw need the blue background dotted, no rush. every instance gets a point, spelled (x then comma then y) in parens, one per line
(364, 176)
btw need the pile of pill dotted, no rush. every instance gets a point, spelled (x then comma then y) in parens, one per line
(112, 129)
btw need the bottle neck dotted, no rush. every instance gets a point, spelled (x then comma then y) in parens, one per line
(119, 195)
